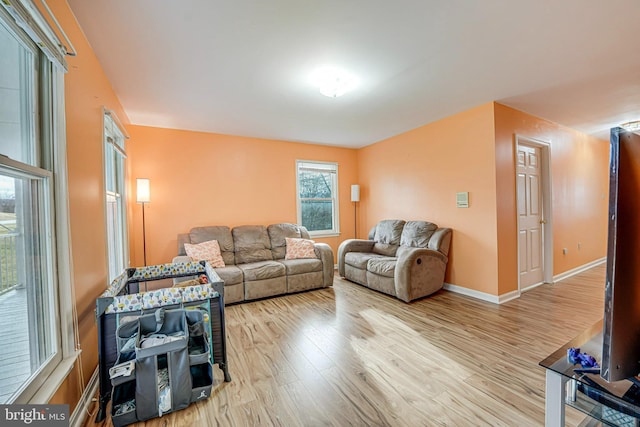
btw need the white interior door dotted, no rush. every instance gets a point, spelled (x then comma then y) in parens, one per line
(530, 215)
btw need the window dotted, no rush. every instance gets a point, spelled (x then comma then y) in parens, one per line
(35, 281)
(317, 188)
(116, 201)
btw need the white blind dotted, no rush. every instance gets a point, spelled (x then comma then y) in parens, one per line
(317, 167)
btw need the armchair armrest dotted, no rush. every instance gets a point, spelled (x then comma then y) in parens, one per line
(419, 272)
(325, 254)
(352, 245)
(440, 240)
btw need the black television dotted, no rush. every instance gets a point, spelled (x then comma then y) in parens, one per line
(621, 325)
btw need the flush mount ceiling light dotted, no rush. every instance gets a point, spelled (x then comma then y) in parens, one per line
(333, 81)
(631, 126)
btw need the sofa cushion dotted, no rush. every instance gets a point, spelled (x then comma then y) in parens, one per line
(220, 233)
(385, 249)
(389, 231)
(417, 233)
(231, 275)
(384, 266)
(252, 244)
(262, 270)
(300, 266)
(278, 233)
(359, 259)
(387, 236)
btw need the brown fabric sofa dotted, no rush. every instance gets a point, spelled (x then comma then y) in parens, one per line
(406, 259)
(254, 260)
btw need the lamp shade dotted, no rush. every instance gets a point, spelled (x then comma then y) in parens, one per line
(143, 192)
(355, 193)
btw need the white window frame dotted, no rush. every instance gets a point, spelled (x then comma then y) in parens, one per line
(321, 167)
(27, 25)
(114, 148)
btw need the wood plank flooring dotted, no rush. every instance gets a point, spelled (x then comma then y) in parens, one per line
(349, 356)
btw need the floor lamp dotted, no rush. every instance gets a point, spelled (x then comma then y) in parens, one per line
(355, 198)
(143, 195)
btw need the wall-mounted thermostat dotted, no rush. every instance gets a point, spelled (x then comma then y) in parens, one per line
(462, 199)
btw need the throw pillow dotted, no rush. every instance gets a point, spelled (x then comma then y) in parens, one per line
(208, 251)
(299, 248)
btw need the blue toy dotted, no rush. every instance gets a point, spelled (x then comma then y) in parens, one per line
(587, 361)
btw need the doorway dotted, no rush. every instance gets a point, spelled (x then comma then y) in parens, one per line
(533, 201)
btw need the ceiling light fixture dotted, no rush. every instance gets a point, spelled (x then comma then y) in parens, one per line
(631, 126)
(333, 82)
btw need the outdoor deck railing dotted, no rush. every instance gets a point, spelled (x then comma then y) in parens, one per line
(8, 262)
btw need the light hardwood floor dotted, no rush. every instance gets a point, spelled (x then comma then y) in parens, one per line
(349, 356)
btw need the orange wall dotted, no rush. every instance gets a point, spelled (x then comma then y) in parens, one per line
(86, 91)
(579, 178)
(416, 175)
(210, 179)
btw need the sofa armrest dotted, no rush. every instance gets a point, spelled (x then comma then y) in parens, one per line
(440, 241)
(325, 254)
(352, 245)
(419, 272)
(182, 239)
(182, 258)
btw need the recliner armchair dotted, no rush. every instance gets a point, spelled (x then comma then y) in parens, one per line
(406, 259)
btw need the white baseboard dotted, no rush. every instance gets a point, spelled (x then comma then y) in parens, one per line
(495, 299)
(578, 270)
(501, 299)
(82, 408)
(527, 289)
(508, 296)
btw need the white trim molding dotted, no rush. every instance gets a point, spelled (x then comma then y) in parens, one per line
(495, 299)
(578, 270)
(501, 299)
(82, 408)
(528, 288)
(54, 380)
(547, 208)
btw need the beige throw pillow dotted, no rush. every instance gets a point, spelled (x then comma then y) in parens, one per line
(299, 248)
(208, 251)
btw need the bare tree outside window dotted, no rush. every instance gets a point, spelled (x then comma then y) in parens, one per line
(317, 196)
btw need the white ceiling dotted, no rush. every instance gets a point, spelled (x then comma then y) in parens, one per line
(242, 67)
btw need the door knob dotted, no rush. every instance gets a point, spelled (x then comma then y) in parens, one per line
(543, 221)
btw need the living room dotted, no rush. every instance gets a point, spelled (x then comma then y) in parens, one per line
(209, 178)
